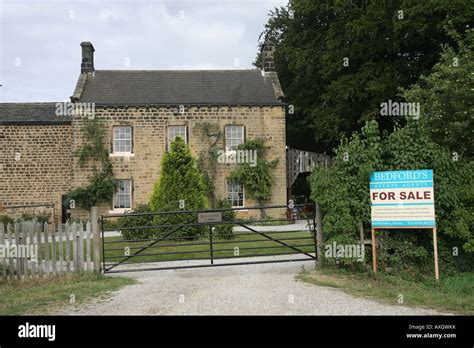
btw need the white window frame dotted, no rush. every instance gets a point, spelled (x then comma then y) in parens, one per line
(235, 192)
(130, 193)
(228, 148)
(114, 146)
(169, 140)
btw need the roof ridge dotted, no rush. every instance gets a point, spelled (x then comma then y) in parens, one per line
(30, 103)
(174, 70)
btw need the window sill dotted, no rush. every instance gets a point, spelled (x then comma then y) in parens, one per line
(122, 154)
(120, 211)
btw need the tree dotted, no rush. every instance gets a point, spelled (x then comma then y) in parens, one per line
(447, 98)
(337, 61)
(179, 187)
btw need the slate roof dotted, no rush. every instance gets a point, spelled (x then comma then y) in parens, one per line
(30, 113)
(175, 87)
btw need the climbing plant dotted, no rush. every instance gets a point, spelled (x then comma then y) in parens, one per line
(258, 178)
(207, 159)
(102, 184)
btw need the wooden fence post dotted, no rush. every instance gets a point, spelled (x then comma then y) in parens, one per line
(24, 254)
(88, 246)
(96, 242)
(319, 234)
(53, 249)
(46, 244)
(74, 246)
(17, 243)
(37, 228)
(4, 259)
(80, 247)
(60, 238)
(67, 229)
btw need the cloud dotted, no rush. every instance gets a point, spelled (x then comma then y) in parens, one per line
(45, 36)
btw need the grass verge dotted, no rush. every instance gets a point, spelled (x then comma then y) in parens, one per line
(41, 296)
(451, 294)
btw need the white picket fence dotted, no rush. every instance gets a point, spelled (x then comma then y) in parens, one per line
(34, 250)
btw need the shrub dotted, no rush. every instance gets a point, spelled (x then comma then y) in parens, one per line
(180, 180)
(225, 231)
(41, 217)
(5, 219)
(137, 221)
(343, 193)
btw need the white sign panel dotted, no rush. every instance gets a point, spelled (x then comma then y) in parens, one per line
(402, 198)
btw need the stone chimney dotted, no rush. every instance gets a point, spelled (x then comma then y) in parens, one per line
(268, 67)
(268, 61)
(87, 65)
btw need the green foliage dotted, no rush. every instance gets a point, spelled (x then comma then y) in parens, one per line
(180, 180)
(41, 218)
(343, 192)
(207, 160)
(102, 183)
(135, 221)
(93, 147)
(385, 53)
(225, 231)
(446, 96)
(258, 180)
(5, 220)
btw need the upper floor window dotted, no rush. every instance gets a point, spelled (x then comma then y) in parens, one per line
(234, 136)
(176, 131)
(122, 142)
(123, 195)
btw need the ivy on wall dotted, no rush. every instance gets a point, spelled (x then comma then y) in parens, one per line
(258, 178)
(102, 184)
(207, 160)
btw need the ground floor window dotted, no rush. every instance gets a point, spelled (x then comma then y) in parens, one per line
(123, 195)
(235, 194)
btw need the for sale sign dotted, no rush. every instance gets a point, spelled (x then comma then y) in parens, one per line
(402, 198)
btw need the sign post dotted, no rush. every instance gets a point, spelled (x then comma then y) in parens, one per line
(403, 200)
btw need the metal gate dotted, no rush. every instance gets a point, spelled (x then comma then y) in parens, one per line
(208, 238)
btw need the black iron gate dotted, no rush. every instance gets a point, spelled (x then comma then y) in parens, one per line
(208, 238)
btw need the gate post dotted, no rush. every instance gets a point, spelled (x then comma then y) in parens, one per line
(96, 242)
(319, 234)
(211, 247)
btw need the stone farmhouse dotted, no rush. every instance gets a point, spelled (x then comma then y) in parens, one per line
(142, 111)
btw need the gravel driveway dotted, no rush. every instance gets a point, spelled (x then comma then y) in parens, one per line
(266, 289)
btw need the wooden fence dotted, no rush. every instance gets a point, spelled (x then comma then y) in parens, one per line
(33, 250)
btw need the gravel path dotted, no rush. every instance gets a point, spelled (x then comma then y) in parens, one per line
(265, 289)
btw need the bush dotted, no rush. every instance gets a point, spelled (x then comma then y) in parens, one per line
(342, 190)
(225, 231)
(5, 219)
(41, 218)
(137, 221)
(180, 180)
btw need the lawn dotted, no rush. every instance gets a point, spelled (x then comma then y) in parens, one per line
(452, 294)
(244, 244)
(42, 296)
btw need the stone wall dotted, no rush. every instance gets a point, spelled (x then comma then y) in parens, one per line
(35, 168)
(149, 144)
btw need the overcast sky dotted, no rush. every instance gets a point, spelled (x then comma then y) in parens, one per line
(40, 53)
